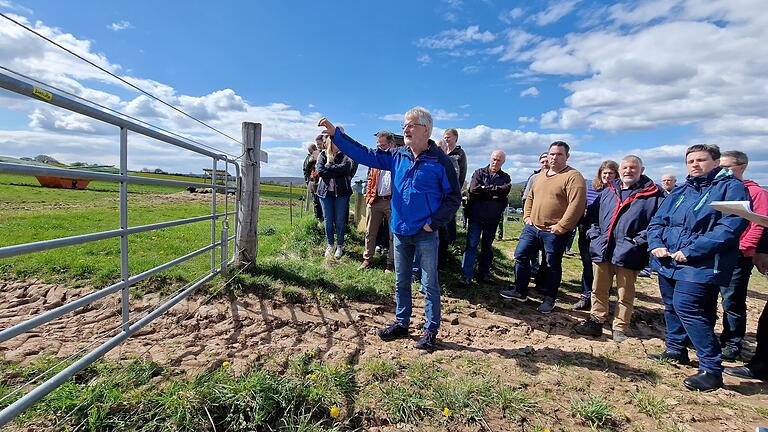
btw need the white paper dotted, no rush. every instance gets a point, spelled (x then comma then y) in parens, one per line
(740, 208)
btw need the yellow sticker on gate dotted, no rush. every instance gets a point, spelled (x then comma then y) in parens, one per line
(42, 94)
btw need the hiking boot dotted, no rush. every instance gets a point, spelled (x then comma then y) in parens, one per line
(582, 304)
(704, 381)
(513, 294)
(589, 327)
(364, 265)
(329, 251)
(547, 306)
(730, 354)
(339, 252)
(681, 358)
(392, 332)
(619, 336)
(428, 341)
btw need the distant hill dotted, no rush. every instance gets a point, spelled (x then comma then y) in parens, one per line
(283, 181)
(26, 161)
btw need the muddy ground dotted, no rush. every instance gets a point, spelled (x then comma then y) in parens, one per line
(541, 351)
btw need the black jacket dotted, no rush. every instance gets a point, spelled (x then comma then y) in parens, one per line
(461, 158)
(488, 195)
(341, 170)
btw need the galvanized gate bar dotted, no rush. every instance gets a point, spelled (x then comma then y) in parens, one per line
(26, 248)
(11, 411)
(14, 168)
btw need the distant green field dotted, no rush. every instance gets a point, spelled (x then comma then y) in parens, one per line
(29, 213)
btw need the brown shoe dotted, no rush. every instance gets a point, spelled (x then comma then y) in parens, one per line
(390, 268)
(364, 265)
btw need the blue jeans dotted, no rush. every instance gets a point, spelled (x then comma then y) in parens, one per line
(476, 231)
(735, 305)
(586, 262)
(531, 240)
(690, 313)
(336, 211)
(406, 247)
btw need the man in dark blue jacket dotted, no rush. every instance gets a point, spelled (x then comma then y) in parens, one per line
(425, 196)
(694, 249)
(618, 245)
(488, 192)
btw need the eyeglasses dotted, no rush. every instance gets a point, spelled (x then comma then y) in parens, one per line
(412, 125)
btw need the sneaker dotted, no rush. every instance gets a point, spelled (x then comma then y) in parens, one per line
(547, 306)
(582, 304)
(589, 327)
(427, 341)
(392, 332)
(704, 381)
(339, 252)
(681, 358)
(730, 354)
(329, 250)
(364, 265)
(619, 336)
(513, 294)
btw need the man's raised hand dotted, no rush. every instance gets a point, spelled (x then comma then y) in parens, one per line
(330, 129)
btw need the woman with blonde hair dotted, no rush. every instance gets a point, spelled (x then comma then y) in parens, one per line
(608, 171)
(334, 189)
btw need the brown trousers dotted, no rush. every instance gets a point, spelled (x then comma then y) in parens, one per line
(625, 283)
(377, 211)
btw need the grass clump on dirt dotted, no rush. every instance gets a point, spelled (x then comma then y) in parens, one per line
(594, 410)
(649, 404)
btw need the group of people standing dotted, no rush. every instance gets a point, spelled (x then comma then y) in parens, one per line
(624, 219)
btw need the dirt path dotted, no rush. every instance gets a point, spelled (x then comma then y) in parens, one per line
(541, 350)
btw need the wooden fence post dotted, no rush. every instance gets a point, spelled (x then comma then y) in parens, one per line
(248, 213)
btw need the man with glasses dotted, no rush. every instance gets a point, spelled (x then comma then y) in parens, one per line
(735, 293)
(553, 207)
(425, 196)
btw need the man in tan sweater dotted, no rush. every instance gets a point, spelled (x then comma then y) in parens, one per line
(553, 207)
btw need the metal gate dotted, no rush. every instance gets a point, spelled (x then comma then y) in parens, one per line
(219, 239)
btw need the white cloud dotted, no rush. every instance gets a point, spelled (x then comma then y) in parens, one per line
(471, 69)
(448, 39)
(392, 117)
(73, 137)
(642, 13)
(6, 4)
(120, 26)
(530, 91)
(522, 148)
(524, 119)
(511, 15)
(424, 59)
(555, 12)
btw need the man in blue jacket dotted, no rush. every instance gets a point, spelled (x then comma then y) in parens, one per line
(618, 245)
(425, 196)
(694, 248)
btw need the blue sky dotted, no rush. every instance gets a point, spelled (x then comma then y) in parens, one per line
(646, 77)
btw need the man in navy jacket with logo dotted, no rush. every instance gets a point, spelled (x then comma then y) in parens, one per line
(694, 248)
(425, 196)
(618, 244)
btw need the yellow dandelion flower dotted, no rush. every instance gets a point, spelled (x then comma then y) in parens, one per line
(446, 412)
(225, 364)
(311, 353)
(335, 412)
(311, 376)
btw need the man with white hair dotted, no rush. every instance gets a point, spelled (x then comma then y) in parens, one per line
(619, 245)
(488, 192)
(425, 196)
(668, 183)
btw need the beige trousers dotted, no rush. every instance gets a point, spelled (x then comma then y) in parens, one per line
(377, 211)
(625, 283)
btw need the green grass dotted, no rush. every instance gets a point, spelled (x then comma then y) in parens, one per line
(594, 410)
(649, 404)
